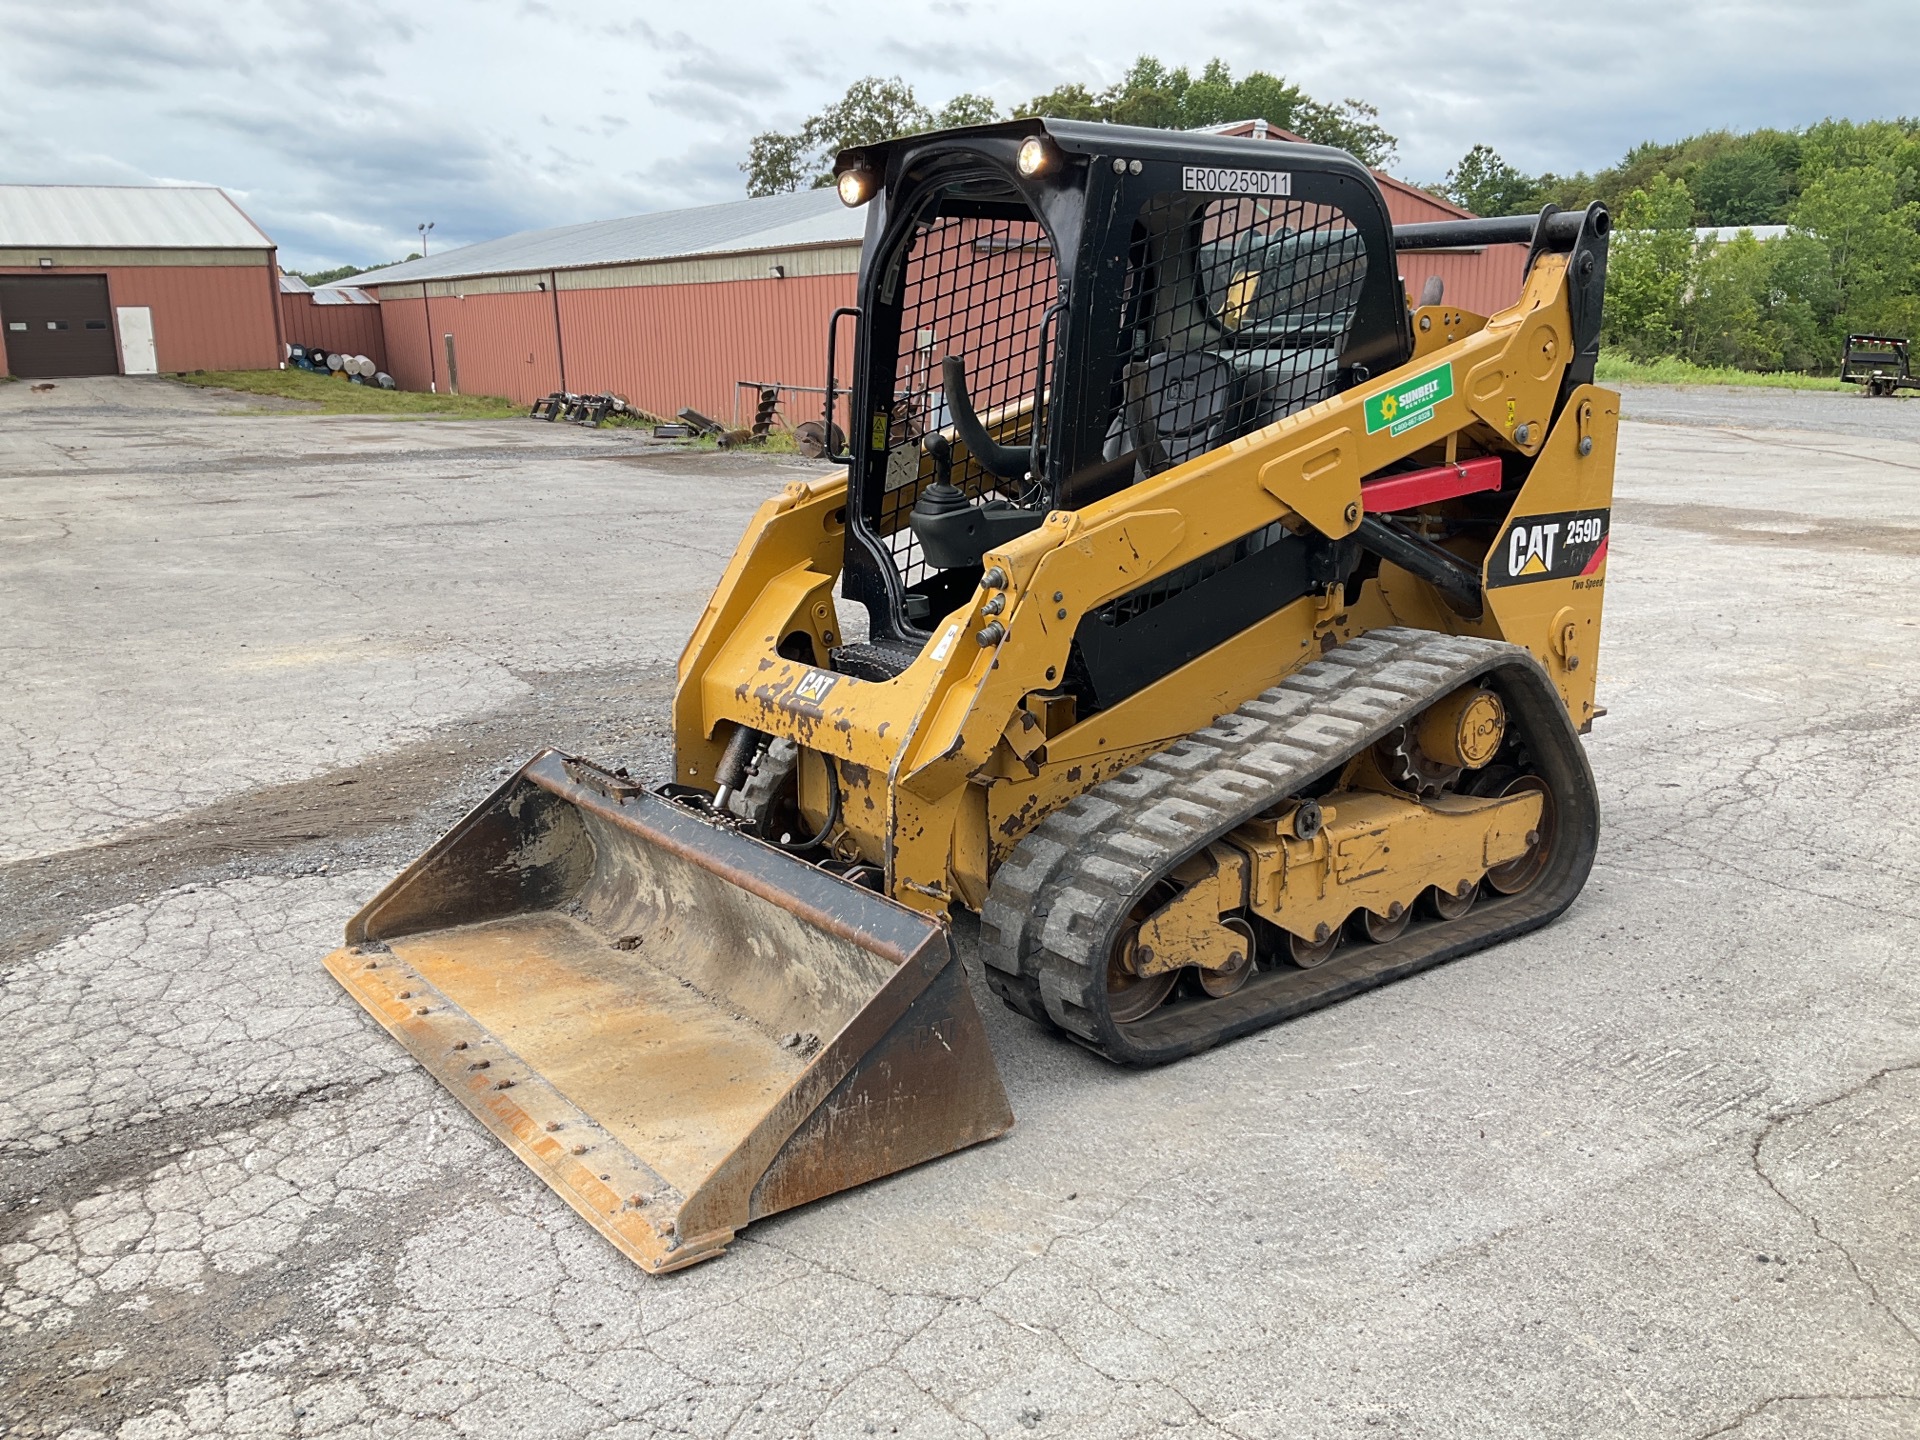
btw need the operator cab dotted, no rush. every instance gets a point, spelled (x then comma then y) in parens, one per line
(1051, 311)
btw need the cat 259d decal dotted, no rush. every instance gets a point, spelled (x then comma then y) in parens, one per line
(1549, 547)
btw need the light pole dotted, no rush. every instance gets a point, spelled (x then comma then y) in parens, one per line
(426, 306)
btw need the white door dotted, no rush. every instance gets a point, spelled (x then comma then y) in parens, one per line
(136, 340)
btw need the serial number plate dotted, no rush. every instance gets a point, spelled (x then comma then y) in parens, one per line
(1217, 180)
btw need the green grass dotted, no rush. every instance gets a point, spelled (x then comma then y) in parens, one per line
(335, 396)
(775, 442)
(1615, 369)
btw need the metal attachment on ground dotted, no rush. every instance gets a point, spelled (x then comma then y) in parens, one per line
(814, 439)
(594, 410)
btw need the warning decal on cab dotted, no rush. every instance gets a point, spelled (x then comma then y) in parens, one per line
(1569, 545)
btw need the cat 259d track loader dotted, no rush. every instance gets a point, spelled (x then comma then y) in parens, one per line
(1229, 631)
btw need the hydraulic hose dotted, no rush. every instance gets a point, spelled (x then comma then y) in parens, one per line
(833, 812)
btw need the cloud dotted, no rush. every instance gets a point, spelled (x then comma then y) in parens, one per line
(347, 122)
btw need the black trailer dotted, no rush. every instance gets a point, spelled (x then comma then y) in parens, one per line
(1882, 363)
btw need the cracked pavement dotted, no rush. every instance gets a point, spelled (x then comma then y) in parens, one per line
(1654, 1172)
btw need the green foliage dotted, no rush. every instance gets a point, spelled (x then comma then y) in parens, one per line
(344, 272)
(1849, 190)
(333, 395)
(964, 109)
(1175, 99)
(1650, 269)
(1872, 245)
(1616, 369)
(327, 277)
(1487, 185)
(1149, 93)
(1740, 187)
(872, 110)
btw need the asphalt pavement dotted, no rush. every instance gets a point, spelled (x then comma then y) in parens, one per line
(1654, 1172)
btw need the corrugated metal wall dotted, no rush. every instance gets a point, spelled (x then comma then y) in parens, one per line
(663, 347)
(1482, 281)
(205, 317)
(350, 329)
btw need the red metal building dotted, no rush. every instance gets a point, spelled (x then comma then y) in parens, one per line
(668, 310)
(679, 308)
(121, 279)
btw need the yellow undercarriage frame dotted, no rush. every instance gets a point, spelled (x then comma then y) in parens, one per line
(944, 768)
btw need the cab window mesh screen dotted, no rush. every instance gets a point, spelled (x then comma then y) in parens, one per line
(976, 289)
(1237, 312)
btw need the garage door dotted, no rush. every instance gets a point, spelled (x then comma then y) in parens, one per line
(57, 325)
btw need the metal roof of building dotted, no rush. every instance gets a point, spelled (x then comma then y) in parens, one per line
(772, 222)
(1724, 233)
(126, 217)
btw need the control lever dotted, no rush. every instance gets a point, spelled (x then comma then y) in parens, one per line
(1004, 462)
(952, 530)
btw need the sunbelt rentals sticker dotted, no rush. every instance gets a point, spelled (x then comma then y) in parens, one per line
(1411, 402)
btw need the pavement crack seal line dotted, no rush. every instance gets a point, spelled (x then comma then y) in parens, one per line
(1757, 1158)
(1760, 1406)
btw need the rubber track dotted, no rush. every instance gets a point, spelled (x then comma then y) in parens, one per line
(1059, 901)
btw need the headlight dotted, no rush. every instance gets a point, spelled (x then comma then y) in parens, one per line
(1034, 155)
(855, 187)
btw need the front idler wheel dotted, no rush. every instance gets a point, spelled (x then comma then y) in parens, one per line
(1132, 997)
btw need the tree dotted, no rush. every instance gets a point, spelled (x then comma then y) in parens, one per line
(1872, 244)
(345, 272)
(1174, 99)
(966, 109)
(1722, 310)
(1740, 187)
(1487, 185)
(872, 110)
(1649, 269)
(327, 277)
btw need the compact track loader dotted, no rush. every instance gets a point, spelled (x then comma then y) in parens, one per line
(1229, 630)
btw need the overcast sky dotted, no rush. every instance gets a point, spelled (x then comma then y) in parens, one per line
(341, 124)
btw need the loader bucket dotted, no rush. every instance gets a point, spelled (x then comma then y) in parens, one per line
(677, 1027)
